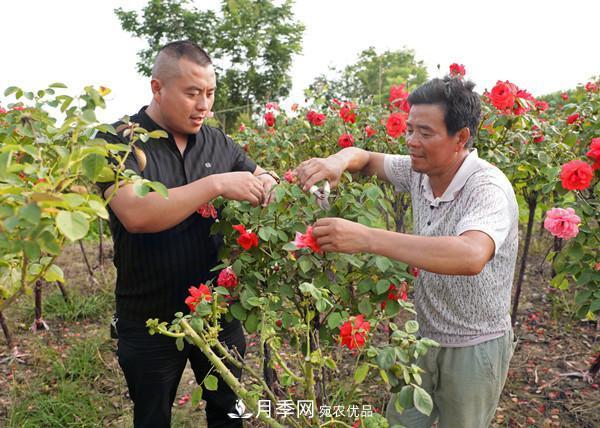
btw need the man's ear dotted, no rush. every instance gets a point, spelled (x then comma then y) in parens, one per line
(463, 138)
(156, 86)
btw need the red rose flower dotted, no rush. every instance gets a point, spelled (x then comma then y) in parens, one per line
(354, 333)
(346, 140)
(370, 131)
(289, 176)
(247, 239)
(564, 96)
(347, 112)
(242, 128)
(317, 119)
(576, 175)
(591, 87)
(398, 95)
(269, 119)
(207, 210)
(457, 70)
(227, 278)
(503, 95)
(307, 240)
(18, 108)
(396, 125)
(2, 111)
(572, 118)
(594, 153)
(541, 105)
(198, 295)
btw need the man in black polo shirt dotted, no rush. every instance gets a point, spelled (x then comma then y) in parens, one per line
(163, 246)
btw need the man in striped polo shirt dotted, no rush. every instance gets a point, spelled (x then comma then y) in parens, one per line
(464, 240)
(162, 245)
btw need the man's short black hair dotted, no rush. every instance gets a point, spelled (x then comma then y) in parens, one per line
(462, 106)
(165, 65)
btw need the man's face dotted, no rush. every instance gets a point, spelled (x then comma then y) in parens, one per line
(185, 101)
(432, 151)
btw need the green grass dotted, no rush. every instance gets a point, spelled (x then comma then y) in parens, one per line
(69, 393)
(78, 306)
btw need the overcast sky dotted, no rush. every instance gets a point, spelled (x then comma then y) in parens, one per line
(541, 46)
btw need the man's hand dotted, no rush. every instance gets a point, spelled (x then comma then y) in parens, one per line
(314, 170)
(241, 186)
(342, 236)
(268, 184)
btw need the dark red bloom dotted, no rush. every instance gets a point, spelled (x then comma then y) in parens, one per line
(354, 333)
(198, 295)
(398, 95)
(503, 95)
(457, 70)
(207, 210)
(269, 119)
(564, 96)
(347, 112)
(247, 239)
(591, 87)
(576, 175)
(541, 105)
(594, 153)
(572, 118)
(317, 119)
(370, 131)
(307, 240)
(396, 125)
(346, 140)
(227, 278)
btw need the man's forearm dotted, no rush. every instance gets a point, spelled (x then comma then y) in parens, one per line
(447, 255)
(154, 213)
(357, 160)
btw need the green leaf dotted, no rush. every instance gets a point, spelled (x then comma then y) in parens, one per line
(361, 373)
(211, 382)
(251, 323)
(382, 286)
(238, 311)
(98, 208)
(159, 188)
(289, 247)
(31, 213)
(392, 308)
(383, 263)
(32, 250)
(88, 116)
(423, 401)
(53, 274)
(334, 320)
(305, 264)
(364, 307)
(197, 396)
(404, 398)
(386, 358)
(93, 165)
(411, 326)
(10, 90)
(74, 225)
(179, 344)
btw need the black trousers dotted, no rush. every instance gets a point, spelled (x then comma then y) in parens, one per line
(153, 366)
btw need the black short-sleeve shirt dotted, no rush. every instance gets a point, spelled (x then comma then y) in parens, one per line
(155, 270)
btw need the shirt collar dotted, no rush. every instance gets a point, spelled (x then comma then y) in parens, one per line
(469, 166)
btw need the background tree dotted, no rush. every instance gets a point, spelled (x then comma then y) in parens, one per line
(252, 43)
(372, 75)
